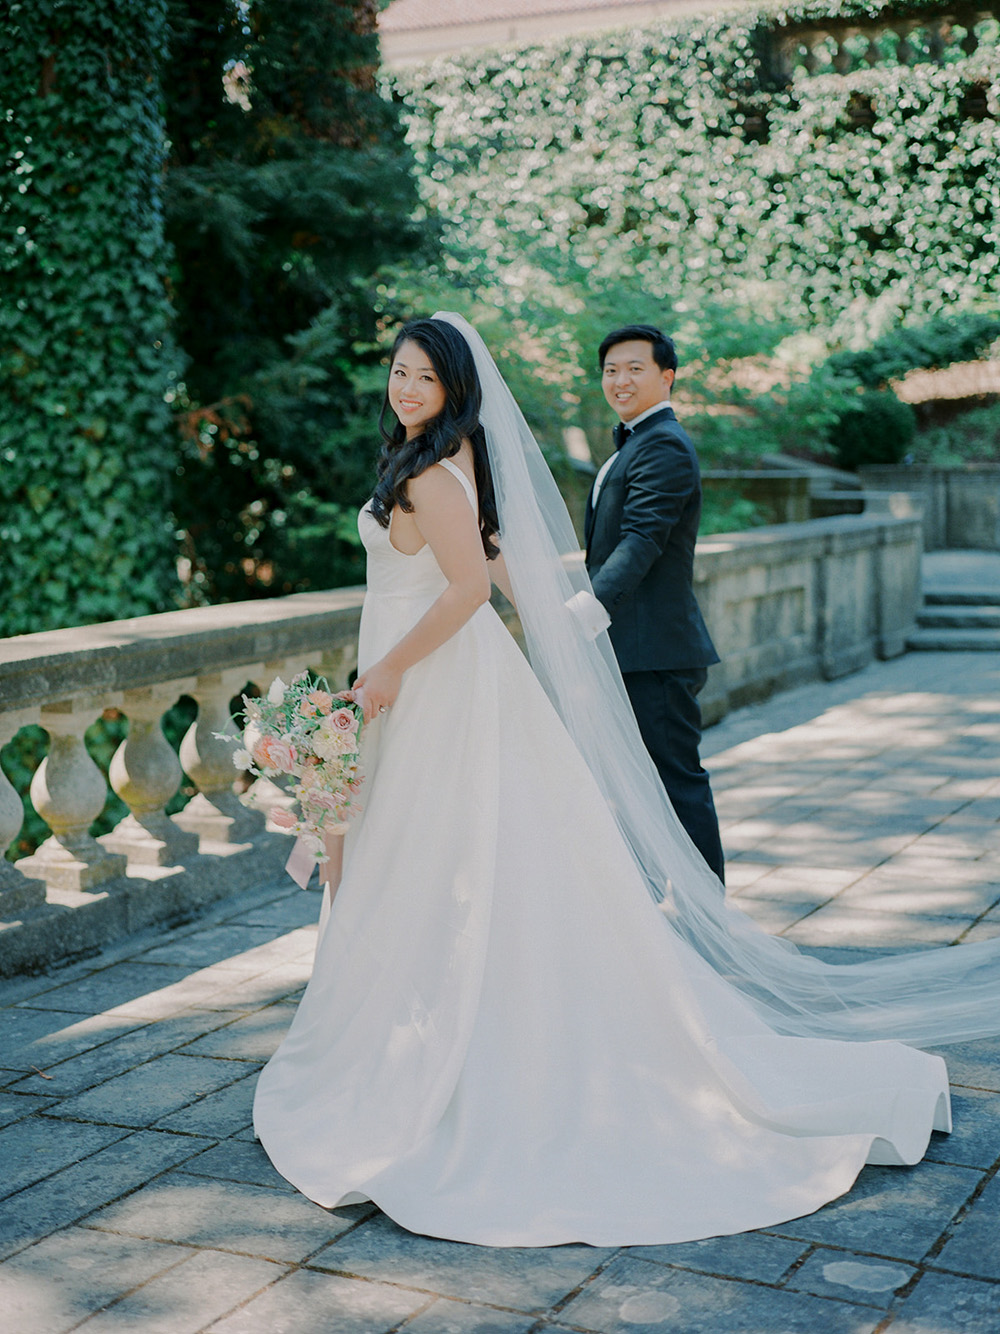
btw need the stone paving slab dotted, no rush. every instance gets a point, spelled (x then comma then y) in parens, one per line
(224, 1113)
(975, 1138)
(237, 1160)
(69, 1195)
(187, 1297)
(857, 1279)
(533, 1278)
(14, 1106)
(943, 1304)
(36, 1039)
(150, 1091)
(305, 1301)
(447, 1317)
(632, 1296)
(225, 1216)
(103, 989)
(972, 1247)
(35, 1148)
(861, 816)
(117, 1055)
(68, 1276)
(899, 1213)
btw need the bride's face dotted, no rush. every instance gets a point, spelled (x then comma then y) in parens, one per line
(416, 395)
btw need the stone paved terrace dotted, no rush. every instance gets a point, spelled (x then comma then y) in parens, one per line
(859, 816)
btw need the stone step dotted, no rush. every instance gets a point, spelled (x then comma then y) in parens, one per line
(959, 618)
(985, 596)
(943, 640)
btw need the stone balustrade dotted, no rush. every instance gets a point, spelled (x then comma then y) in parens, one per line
(961, 506)
(76, 891)
(837, 45)
(784, 604)
(806, 601)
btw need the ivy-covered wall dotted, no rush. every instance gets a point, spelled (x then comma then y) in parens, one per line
(86, 444)
(703, 160)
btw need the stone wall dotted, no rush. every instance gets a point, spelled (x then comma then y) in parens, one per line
(961, 505)
(803, 601)
(784, 604)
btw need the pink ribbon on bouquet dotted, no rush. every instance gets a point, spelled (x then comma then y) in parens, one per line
(300, 864)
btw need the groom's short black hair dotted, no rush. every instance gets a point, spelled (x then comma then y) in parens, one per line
(664, 352)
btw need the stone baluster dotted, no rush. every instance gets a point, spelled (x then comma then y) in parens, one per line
(937, 40)
(872, 54)
(69, 791)
(215, 813)
(18, 893)
(338, 664)
(146, 773)
(810, 60)
(842, 59)
(905, 53)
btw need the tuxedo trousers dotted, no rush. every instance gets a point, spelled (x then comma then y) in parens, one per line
(666, 708)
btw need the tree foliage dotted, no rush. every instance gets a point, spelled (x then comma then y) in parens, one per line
(85, 350)
(676, 156)
(289, 184)
(938, 343)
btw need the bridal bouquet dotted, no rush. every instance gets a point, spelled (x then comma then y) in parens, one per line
(305, 731)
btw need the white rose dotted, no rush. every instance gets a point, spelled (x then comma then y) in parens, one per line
(276, 693)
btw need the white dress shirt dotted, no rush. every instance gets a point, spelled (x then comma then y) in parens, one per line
(608, 464)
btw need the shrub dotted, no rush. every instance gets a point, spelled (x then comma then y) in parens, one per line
(85, 352)
(877, 428)
(940, 342)
(972, 437)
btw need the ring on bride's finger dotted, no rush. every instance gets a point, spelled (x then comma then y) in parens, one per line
(383, 708)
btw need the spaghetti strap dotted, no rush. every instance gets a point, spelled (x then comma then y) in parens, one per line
(470, 490)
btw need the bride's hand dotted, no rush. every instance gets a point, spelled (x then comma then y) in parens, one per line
(376, 689)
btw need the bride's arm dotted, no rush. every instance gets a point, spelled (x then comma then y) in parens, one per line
(447, 523)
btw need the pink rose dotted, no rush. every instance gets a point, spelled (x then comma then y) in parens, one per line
(272, 752)
(344, 721)
(319, 800)
(284, 819)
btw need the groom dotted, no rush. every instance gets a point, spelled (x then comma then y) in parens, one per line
(641, 526)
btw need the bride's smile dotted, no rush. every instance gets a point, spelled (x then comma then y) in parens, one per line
(416, 395)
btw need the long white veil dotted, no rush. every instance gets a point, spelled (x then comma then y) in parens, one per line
(941, 995)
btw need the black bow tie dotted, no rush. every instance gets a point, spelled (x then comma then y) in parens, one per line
(621, 433)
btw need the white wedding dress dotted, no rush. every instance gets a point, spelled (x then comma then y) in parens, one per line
(504, 1041)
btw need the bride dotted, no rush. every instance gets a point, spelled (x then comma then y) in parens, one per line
(532, 1018)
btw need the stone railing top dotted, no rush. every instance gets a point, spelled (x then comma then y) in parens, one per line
(54, 665)
(120, 655)
(816, 530)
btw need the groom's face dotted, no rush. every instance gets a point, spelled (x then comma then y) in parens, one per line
(632, 381)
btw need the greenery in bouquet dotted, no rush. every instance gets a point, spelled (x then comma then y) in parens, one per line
(306, 732)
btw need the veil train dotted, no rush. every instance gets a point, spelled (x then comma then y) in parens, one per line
(950, 994)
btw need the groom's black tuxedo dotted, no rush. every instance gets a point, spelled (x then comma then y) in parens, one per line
(640, 554)
(640, 549)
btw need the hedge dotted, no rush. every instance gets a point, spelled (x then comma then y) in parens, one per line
(681, 154)
(85, 350)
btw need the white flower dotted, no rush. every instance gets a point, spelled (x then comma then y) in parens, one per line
(242, 759)
(276, 693)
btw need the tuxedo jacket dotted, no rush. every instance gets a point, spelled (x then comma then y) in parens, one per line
(640, 549)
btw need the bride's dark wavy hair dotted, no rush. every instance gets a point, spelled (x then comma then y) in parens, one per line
(400, 459)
